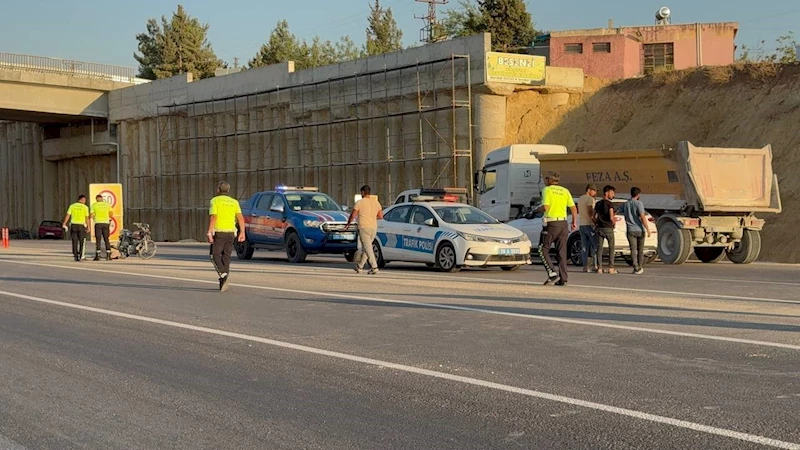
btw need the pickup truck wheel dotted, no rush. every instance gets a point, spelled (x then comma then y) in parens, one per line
(244, 250)
(446, 258)
(674, 244)
(574, 248)
(295, 252)
(350, 256)
(748, 249)
(710, 255)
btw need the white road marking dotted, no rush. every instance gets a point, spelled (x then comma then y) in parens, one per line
(431, 373)
(478, 280)
(431, 276)
(433, 305)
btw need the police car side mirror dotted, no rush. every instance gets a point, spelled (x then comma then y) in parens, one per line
(430, 222)
(277, 209)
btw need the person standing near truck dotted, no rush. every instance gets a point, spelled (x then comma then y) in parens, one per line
(101, 214)
(78, 217)
(586, 223)
(555, 202)
(637, 229)
(606, 219)
(224, 212)
(368, 211)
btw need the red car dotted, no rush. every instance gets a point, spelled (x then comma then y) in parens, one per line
(50, 229)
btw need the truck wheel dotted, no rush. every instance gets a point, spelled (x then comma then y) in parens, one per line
(674, 244)
(748, 249)
(446, 258)
(244, 250)
(710, 255)
(350, 256)
(295, 252)
(574, 248)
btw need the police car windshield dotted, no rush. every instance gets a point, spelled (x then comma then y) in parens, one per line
(310, 201)
(463, 215)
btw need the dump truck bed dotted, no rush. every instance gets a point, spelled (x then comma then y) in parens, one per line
(707, 179)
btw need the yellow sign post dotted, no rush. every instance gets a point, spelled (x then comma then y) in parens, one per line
(515, 69)
(112, 194)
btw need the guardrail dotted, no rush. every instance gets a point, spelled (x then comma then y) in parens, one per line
(70, 67)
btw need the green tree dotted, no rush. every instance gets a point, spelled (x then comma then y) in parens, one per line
(508, 21)
(464, 21)
(284, 46)
(179, 45)
(281, 46)
(383, 34)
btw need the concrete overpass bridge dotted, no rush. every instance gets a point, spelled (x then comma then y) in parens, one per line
(51, 90)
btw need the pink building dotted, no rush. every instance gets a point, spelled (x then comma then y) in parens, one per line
(617, 53)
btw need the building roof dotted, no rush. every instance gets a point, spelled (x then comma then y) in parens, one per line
(626, 30)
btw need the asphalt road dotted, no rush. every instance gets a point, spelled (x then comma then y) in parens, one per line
(148, 354)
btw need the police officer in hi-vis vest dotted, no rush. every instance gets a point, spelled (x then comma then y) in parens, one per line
(78, 217)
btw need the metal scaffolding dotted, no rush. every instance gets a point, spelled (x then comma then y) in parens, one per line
(394, 129)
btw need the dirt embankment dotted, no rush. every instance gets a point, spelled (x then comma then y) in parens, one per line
(734, 106)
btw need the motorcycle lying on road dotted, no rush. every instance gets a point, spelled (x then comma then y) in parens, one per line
(137, 242)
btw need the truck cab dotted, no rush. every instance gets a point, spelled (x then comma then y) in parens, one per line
(510, 180)
(297, 220)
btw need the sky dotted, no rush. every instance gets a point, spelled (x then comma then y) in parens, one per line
(105, 31)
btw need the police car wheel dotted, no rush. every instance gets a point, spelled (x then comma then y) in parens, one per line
(350, 256)
(446, 258)
(376, 248)
(244, 250)
(295, 252)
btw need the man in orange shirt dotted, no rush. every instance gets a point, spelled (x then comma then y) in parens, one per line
(368, 211)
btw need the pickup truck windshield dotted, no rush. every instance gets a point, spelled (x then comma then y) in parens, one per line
(311, 201)
(463, 215)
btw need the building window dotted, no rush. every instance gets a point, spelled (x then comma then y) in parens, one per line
(573, 48)
(658, 58)
(601, 47)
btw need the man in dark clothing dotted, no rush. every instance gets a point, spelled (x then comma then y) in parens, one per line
(605, 220)
(636, 229)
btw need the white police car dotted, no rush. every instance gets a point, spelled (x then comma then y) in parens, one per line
(448, 236)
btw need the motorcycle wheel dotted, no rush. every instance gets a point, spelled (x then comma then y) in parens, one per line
(147, 249)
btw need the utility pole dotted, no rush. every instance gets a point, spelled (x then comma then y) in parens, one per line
(431, 31)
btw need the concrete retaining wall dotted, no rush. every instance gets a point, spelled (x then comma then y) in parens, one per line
(334, 127)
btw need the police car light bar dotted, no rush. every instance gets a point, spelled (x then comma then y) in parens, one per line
(440, 194)
(281, 187)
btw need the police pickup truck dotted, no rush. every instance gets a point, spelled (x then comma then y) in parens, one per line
(299, 220)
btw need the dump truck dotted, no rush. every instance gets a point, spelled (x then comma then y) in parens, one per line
(704, 199)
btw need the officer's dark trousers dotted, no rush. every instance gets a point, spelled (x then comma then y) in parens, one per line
(555, 232)
(78, 235)
(101, 234)
(221, 250)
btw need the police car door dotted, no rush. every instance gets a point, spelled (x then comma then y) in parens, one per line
(276, 220)
(257, 222)
(420, 242)
(391, 231)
